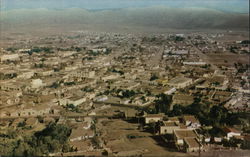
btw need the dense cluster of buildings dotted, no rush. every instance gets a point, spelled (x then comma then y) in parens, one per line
(86, 74)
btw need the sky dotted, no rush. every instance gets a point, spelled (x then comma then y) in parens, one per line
(240, 6)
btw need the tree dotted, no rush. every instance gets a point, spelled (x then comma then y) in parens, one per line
(232, 142)
(216, 131)
(153, 77)
(105, 153)
(218, 115)
(152, 125)
(162, 104)
(22, 149)
(177, 110)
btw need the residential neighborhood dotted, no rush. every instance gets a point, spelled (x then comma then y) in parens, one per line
(190, 103)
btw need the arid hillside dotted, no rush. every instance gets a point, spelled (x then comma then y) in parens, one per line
(130, 19)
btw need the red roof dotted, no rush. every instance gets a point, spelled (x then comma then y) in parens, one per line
(228, 130)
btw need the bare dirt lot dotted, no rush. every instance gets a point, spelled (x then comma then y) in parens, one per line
(124, 138)
(228, 58)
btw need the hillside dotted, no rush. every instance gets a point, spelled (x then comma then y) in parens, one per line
(152, 17)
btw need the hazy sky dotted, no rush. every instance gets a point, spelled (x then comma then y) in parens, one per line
(241, 6)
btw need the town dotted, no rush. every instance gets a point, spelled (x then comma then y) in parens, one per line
(120, 94)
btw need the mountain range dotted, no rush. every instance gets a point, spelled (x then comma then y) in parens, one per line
(156, 17)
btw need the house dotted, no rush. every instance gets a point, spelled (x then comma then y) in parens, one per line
(80, 132)
(180, 134)
(187, 140)
(71, 68)
(207, 139)
(221, 96)
(174, 119)
(179, 52)
(192, 144)
(9, 57)
(37, 110)
(46, 73)
(195, 63)
(170, 91)
(37, 83)
(12, 85)
(72, 100)
(180, 82)
(110, 77)
(180, 35)
(191, 122)
(183, 99)
(217, 139)
(149, 118)
(168, 127)
(231, 132)
(67, 53)
(101, 98)
(219, 82)
(26, 75)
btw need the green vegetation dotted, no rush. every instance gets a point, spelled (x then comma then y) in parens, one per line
(72, 48)
(233, 49)
(126, 93)
(93, 53)
(132, 136)
(72, 107)
(108, 51)
(162, 103)
(117, 71)
(77, 49)
(40, 49)
(178, 38)
(216, 83)
(7, 76)
(54, 138)
(69, 83)
(206, 66)
(216, 132)
(21, 124)
(55, 85)
(96, 142)
(241, 68)
(245, 42)
(39, 65)
(11, 49)
(154, 77)
(121, 93)
(210, 115)
(232, 142)
(87, 89)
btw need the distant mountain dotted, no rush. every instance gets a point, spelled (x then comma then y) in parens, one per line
(152, 17)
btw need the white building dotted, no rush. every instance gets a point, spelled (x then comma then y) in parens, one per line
(36, 83)
(231, 132)
(149, 118)
(180, 82)
(72, 100)
(194, 63)
(9, 57)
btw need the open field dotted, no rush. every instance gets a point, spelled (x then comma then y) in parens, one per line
(116, 133)
(228, 59)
